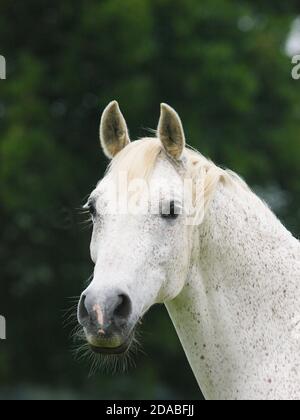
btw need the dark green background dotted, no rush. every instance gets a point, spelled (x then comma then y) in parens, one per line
(220, 63)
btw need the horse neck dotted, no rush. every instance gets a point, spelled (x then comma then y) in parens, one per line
(237, 314)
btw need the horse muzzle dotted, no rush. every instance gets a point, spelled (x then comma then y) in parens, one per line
(106, 321)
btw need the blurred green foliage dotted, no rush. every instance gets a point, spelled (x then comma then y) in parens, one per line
(220, 63)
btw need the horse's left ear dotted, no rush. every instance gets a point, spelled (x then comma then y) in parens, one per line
(170, 132)
(113, 130)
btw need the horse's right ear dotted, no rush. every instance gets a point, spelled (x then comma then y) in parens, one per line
(113, 130)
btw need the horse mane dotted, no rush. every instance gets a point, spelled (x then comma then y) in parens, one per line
(138, 160)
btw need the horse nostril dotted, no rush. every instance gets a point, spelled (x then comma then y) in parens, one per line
(123, 308)
(83, 315)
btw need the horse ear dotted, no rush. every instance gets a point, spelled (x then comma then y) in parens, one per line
(113, 130)
(170, 132)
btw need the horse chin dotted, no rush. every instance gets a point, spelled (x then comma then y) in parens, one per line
(111, 351)
(100, 348)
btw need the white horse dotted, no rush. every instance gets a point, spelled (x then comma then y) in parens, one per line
(230, 281)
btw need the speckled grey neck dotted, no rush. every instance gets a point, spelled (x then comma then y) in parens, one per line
(238, 316)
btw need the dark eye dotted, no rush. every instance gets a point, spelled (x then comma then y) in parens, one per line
(170, 211)
(91, 208)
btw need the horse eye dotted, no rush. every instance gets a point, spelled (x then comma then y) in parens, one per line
(172, 214)
(91, 208)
